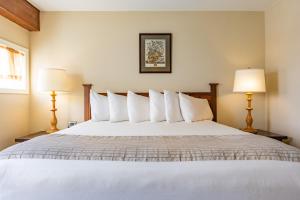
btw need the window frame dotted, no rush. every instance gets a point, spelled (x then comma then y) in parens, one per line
(26, 52)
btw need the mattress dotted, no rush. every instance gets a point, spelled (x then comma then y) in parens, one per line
(34, 178)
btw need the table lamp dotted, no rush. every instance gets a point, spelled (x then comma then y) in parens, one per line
(249, 81)
(53, 80)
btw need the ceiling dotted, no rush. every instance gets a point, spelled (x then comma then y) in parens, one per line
(150, 5)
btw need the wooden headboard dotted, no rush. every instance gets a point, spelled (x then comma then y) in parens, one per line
(210, 96)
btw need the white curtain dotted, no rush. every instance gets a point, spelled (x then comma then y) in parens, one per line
(11, 64)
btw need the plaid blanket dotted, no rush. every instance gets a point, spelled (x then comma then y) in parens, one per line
(152, 148)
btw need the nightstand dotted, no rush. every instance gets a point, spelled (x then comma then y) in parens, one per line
(30, 136)
(282, 138)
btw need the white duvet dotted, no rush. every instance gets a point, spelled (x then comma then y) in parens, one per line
(106, 128)
(35, 179)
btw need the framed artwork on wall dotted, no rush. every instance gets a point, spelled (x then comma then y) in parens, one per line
(155, 52)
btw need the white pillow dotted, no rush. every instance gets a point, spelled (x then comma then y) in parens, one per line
(138, 107)
(117, 107)
(172, 110)
(99, 107)
(194, 109)
(157, 106)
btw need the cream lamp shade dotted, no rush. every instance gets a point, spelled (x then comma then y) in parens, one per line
(53, 79)
(249, 81)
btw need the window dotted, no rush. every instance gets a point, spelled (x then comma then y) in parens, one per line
(13, 68)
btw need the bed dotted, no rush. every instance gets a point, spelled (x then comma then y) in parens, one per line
(162, 161)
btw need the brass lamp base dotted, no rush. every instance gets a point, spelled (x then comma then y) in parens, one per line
(254, 131)
(52, 130)
(249, 119)
(53, 121)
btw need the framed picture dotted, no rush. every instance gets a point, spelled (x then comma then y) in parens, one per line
(155, 52)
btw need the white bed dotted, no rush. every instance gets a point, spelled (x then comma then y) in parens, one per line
(36, 179)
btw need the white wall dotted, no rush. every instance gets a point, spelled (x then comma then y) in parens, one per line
(14, 108)
(102, 48)
(283, 67)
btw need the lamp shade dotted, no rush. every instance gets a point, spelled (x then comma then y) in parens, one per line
(53, 79)
(250, 80)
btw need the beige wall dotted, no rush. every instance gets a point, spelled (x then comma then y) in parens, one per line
(102, 48)
(14, 108)
(283, 67)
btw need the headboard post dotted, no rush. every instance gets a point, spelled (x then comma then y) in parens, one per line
(213, 91)
(87, 105)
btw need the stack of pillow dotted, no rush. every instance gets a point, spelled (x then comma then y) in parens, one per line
(169, 106)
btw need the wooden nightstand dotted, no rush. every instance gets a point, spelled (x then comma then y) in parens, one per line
(282, 138)
(30, 136)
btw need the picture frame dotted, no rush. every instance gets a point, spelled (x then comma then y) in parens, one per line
(155, 54)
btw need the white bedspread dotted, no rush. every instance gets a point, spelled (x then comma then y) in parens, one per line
(33, 179)
(106, 128)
